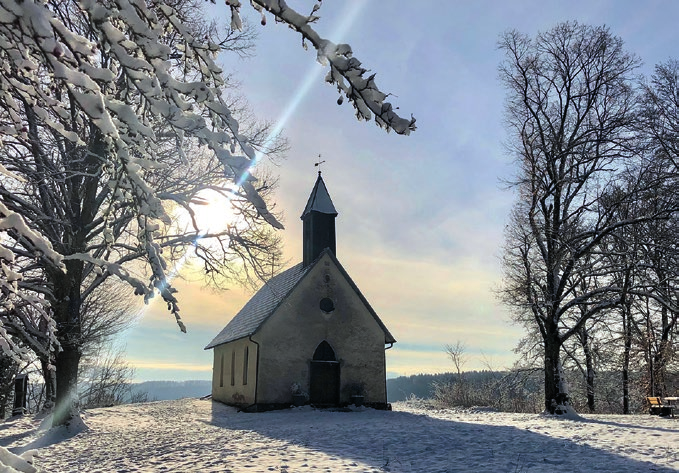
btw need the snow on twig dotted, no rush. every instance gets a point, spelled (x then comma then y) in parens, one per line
(346, 71)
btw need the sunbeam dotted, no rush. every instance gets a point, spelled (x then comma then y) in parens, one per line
(312, 76)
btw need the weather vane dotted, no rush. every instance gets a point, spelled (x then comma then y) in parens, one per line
(318, 164)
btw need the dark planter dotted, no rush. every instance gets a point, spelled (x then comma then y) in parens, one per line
(357, 400)
(298, 400)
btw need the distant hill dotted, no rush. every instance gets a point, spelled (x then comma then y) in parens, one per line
(398, 389)
(170, 390)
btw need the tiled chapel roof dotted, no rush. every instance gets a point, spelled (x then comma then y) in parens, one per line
(260, 306)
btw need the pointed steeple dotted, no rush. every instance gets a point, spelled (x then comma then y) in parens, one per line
(319, 200)
(319, 222)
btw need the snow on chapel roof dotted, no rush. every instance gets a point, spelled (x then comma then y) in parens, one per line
(319, 200)
(260, 306)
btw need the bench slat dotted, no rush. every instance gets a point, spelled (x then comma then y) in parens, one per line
(657, 407)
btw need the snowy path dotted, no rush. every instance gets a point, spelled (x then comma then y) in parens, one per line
(201, 436)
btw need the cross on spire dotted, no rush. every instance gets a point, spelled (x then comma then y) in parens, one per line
(318, 164)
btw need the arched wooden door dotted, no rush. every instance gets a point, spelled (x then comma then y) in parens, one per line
(324, 385)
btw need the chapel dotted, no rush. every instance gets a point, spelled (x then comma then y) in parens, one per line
(308, 335)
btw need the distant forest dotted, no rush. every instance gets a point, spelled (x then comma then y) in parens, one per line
(423, 385)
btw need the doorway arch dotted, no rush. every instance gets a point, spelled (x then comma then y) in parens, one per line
(324, 382)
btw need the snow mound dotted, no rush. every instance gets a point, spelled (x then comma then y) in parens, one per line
(11, 463)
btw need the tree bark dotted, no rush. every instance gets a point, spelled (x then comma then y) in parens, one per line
(50, 383)
(8, 370)
(627, 348)
(67, 362)
(557, 399)
(589, 365)
(69, 333)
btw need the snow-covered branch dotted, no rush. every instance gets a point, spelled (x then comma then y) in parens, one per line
(346, 71)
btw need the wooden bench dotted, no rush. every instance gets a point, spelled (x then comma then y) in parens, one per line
(657, 407)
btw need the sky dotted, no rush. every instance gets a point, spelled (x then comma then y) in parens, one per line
(421, 217)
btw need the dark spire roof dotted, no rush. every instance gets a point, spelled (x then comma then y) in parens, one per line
(319, 200)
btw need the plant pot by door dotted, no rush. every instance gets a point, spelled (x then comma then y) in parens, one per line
(298, 400)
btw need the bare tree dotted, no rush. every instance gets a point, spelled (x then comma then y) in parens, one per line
(570, 107)
(105, 379)
(659, 116)
(656, 316)
(454, 392)
(647, 255)
(659, 126)
(457, 353)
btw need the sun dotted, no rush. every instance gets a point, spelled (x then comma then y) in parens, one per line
(213, 213)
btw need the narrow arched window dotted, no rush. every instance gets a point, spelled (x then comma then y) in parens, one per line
(221, 371)
(246, 356)
(233, 367)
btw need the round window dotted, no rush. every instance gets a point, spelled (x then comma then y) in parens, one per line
(327, 305)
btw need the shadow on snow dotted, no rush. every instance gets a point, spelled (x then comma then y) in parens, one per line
(404, 442)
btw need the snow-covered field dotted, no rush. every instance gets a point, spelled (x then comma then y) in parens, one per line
(193, 435)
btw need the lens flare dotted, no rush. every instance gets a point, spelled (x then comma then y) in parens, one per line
(313, 75)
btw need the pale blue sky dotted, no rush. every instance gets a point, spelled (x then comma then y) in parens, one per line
(420, 217)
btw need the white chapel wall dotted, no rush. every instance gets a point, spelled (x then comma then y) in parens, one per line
(290, 336)
(234, 374)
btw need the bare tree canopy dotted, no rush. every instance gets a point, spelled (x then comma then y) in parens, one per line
(571, 107)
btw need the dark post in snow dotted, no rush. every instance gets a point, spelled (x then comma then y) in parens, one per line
(20, 392)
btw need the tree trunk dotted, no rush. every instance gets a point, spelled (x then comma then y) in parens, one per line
(67, 362)
(589, 363)
(650, 389)
(50, 383)
(627, 348)
(664, 354)
(557, 400)
(660, 369)
(8, 370)
(69, 333)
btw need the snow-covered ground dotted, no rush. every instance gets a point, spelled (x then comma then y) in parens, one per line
(193, 435)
